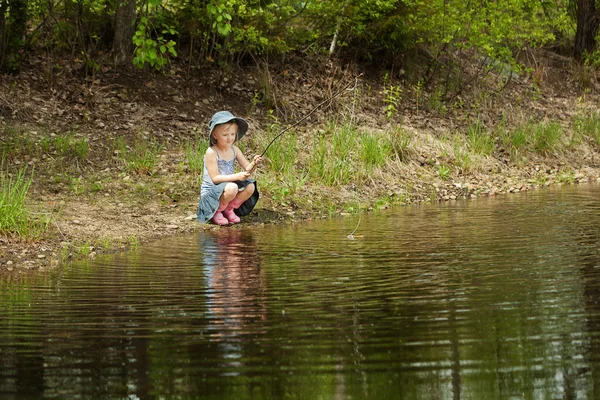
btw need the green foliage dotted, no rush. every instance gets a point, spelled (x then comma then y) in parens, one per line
(586, 71)
(282, 189)
(392, 95)
(220, 14)
(13, 191)
(436, 102)
(227, 31)
(444, 171)
(152, 45)
(283, 180)
(495, 29)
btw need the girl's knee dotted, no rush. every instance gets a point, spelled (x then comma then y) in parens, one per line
(250, 188)
(230, 190)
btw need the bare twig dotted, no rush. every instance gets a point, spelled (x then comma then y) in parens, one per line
(59, 231)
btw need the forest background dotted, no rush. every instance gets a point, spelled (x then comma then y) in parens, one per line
(104, 106)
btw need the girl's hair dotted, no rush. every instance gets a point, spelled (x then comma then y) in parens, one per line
(212, 139)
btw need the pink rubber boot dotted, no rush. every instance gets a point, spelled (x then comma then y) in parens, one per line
(229, 214)
(218, 218)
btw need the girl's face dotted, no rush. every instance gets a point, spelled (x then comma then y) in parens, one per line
(225, 134)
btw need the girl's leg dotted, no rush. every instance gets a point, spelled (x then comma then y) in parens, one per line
(228, 194)
(218, 218)
(237, 202)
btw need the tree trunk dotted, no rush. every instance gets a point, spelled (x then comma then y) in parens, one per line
(124, 31)
(587, 27)
(337, 29)
(3, 33)
(12, 32)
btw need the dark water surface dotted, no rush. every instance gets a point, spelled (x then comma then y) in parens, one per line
(485, 299)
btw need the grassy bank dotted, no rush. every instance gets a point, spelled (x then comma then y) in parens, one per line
(119, 177)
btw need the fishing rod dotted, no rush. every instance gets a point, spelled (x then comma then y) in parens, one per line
(315, 108)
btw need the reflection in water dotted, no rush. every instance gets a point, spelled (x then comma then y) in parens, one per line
(235, 292)
(486, 299)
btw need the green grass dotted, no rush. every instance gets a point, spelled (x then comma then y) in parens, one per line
(588, 125)
(194, 154)
(283, 153)
(333, 159)
(79, 185)
(375, 151)
(536, 137)
(283, 179)
(133, 242)
(515, 140)
(567, 177)
(283, 189)
(479, 140)
(547, 137)
(14, 142)
(65, 146)
(142, 158)
(400, 142)
(15, 217)
(462, 156)
(444, 171)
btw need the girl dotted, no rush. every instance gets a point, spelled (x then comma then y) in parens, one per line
(225, 195)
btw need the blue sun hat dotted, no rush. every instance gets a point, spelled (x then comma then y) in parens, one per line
(223, 117)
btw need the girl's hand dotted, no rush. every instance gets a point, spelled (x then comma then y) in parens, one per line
(255, 162)
(242, 176)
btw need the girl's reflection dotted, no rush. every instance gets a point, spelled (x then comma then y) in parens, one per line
(235, 290)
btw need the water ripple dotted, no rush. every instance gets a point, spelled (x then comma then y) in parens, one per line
(491, 298)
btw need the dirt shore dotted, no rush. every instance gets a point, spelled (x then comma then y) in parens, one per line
(97, 206)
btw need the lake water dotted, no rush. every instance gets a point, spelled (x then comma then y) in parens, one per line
(493, 298)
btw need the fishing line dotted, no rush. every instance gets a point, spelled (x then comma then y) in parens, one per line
(336, 94)
(315, 108)
(351, 236)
